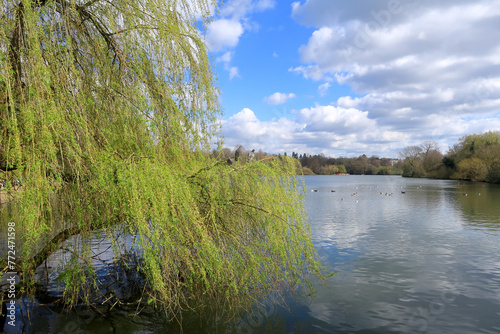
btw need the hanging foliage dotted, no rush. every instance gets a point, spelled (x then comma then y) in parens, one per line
(107, 108)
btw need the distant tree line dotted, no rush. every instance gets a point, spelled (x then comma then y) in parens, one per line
(475, 157)
(322, 165)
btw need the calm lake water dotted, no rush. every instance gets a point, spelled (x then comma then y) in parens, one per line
(426, 260)
(411, 256)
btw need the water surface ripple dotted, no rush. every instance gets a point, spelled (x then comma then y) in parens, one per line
(411, 256)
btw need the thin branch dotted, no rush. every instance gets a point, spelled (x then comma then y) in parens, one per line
(132, 28)
(88, 4)
(53, 245)
(75, 254)
(112, 45)
(256, 208)
(206, 168)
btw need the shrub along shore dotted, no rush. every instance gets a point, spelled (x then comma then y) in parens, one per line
(475, 157)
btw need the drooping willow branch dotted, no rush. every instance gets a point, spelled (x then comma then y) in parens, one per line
(119, 99)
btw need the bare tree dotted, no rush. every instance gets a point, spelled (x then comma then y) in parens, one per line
(428, 146)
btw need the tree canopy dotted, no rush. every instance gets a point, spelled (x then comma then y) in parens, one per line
(107, 110)
(320, 164)
(475, 157)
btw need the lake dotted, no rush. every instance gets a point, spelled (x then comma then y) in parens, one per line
(411, 256)
(426, 260)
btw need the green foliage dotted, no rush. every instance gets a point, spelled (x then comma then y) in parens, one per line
(412, 157)
(384, 170)
(329, 170)
(342, 169)
(320, 164)
(473, 169)
(477, 157)
(471, 144)
(307, 171)
(106, 111)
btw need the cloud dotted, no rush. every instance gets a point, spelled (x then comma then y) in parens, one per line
(347, 131)
(223, 34)
(262, 5)
(239, 9)
(244, 128)
(233, 73)
(336, 120)
(225, 31)
(309, 72)
(423, 68)
(420, 70)
(323, 89)
(379, 56)
(233, 21)
(278, 98)
(225, 58)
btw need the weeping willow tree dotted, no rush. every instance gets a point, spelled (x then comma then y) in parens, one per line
(107, 108)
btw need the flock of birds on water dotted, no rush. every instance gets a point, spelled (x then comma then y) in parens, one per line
(354, 194)
(251, 155)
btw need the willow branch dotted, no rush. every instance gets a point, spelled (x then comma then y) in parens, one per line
(112, 45)
(15, 44)
(53, 245)
(88, 4)
(239, 202)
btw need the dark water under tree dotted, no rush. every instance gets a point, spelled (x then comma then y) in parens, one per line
(411, 256)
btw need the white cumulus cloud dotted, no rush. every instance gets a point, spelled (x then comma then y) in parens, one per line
(223, 34)
(428, 69)
(278, 98)
(346, 131)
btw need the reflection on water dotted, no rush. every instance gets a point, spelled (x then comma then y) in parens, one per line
(114, 257)
(411, 256)
(480, 204)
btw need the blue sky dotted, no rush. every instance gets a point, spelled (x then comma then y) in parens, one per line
(346, 78)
